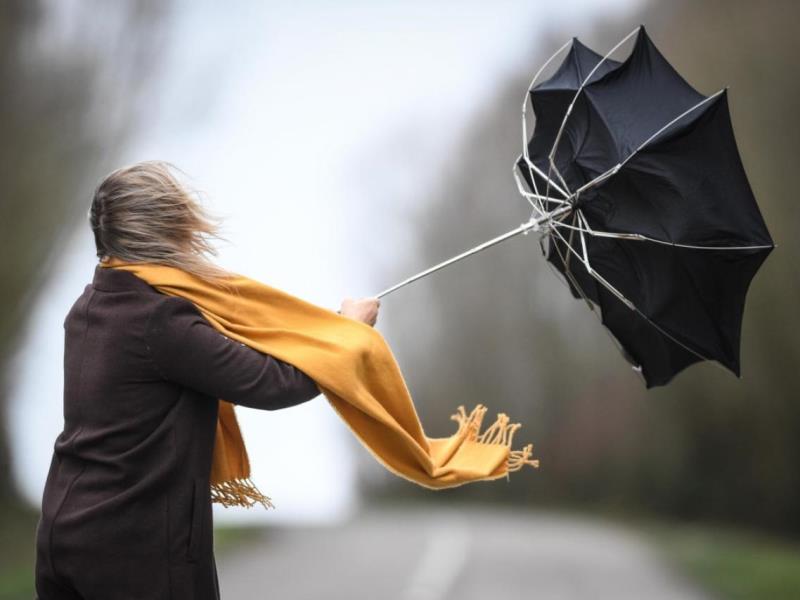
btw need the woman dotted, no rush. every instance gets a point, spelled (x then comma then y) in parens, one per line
(126, 510)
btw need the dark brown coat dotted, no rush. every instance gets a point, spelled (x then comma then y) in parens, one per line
(126, 510)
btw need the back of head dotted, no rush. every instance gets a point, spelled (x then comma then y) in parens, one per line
(144, 213)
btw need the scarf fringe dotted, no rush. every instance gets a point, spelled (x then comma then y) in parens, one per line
(501, 432)
(239, 492)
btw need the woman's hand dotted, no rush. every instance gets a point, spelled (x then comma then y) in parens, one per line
(362, 309)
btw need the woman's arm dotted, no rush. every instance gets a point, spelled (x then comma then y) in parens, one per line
(186, 349)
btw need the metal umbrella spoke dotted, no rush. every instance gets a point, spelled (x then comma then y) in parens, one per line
(580, 89)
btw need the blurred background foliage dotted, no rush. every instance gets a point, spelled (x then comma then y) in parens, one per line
(66, 108)
(499, 329)
(506, 333)
(67, 102)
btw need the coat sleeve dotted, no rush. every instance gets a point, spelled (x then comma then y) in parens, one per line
(187, 350)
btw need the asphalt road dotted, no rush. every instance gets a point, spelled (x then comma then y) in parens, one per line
(436, 553)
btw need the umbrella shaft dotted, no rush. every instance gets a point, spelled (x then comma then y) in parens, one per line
(533, 224)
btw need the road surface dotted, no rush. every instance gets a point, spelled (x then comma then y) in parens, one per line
(451, 553)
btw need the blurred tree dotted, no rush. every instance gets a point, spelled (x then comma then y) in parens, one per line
(70, 77)
(506, 333)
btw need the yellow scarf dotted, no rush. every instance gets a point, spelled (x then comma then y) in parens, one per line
(354, 368)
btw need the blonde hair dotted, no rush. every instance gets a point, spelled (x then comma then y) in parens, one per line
(143, 213)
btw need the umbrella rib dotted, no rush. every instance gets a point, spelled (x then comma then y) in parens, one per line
(524, 119)
(676, 119)
(557, 139)
(568, 274)
(558, 173)
(571, 233)
(600, 278)
(613, 170)
(617, 344)
(543, 67)
(627, 302)
(693, 247)
(542, 174)
(537, 206)
(669, 336)
(649, 320)
(585, 260)
(638, 237)
(550, 183)
(705, 308)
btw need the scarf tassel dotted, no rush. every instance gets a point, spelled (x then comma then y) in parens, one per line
(238, 492)
(501, 432)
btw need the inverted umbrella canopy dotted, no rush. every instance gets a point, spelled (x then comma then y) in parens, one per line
(636, 184)
(647, 211)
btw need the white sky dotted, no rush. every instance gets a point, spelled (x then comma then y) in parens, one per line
(273, 108)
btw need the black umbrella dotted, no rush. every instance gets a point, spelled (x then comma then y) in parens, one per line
(635, 179)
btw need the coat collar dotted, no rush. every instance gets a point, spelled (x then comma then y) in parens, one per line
(109, 279)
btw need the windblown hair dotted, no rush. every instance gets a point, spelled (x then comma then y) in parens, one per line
(144, 213)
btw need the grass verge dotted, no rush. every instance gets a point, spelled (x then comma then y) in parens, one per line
(732, 565)
(17, 536)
